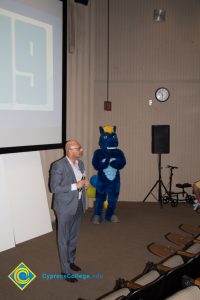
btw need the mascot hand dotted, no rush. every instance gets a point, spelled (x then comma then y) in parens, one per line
(105, 162)
(119, 160)
(113, 162)
(112, 159)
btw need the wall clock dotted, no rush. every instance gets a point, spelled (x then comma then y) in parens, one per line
(162, 94)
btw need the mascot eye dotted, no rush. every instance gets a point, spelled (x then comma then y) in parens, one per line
(105, 137)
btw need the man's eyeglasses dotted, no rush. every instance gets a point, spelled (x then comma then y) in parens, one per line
(76, 148)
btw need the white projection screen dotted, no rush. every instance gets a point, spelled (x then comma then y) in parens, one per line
(32, 96)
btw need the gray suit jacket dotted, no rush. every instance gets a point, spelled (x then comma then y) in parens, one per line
(61, 178)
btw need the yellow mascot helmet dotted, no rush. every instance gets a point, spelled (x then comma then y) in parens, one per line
(108, 129)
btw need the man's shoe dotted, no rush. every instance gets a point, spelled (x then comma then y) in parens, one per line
(74, 267)
(69, 277)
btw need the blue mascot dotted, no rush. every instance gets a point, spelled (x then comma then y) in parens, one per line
(107, 160)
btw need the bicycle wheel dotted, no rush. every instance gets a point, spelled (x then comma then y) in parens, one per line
(165, 199)
(174, 202)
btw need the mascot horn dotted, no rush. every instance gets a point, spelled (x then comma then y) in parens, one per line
(107, 160)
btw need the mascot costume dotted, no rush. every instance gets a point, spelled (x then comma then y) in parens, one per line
(107, 160)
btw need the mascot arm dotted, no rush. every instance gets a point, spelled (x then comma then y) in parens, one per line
(99, 160)
(119, 162)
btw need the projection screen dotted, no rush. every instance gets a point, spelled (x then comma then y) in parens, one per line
(32, 93)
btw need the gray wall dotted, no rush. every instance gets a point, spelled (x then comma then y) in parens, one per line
(145, 55)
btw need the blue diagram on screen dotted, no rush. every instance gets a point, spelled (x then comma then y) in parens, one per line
(26, 63)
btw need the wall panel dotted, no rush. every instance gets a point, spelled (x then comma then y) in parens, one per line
(145, 55)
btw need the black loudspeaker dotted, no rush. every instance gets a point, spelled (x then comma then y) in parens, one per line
(160, 139)
(84, 2)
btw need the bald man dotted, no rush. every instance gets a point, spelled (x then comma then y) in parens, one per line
(68, 184)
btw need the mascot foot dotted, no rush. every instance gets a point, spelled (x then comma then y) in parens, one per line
(96, 220)
(114, 219)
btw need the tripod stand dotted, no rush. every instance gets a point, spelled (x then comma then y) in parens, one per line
(160, 184)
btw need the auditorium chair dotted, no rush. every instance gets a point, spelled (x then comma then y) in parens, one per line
(116, 295)
(191, 229)
(188, 293)
(165, 251)
(178, 239)
(190, 289)
(170, 282)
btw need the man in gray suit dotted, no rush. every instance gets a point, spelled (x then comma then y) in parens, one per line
(68, 183)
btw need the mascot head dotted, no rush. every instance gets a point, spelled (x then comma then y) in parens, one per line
(108, 137)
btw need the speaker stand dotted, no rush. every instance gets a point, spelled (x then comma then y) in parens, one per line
(160, 184)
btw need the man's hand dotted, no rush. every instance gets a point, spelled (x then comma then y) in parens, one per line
(87, 183)
(82, 183)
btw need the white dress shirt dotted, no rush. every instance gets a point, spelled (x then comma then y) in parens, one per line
(78, 175)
